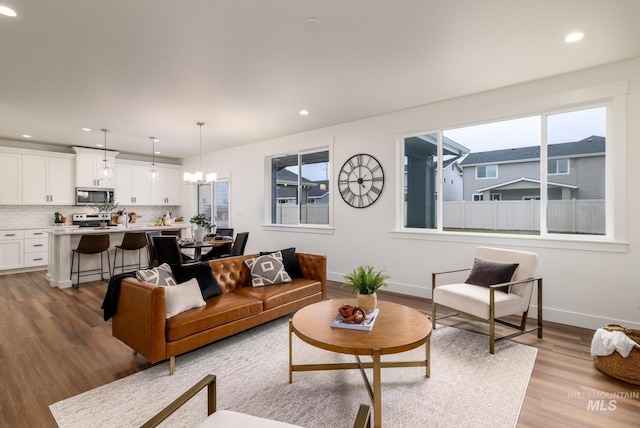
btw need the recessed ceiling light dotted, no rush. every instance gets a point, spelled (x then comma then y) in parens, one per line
(311, 24)
(86, 129)
(574, 37)
(4, 10)
(26, 136)
(304, 112)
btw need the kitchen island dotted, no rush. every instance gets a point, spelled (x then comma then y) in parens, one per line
(63, 239)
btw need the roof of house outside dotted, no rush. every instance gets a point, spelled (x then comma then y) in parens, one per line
(588, 146)
(284, 176)
(535, 181)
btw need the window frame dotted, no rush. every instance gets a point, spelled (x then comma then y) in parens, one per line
(612, 95)
(486, 177)
(302, 227)
(556, 163)
(212, 196)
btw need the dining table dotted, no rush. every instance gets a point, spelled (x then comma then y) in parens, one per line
(210, 242)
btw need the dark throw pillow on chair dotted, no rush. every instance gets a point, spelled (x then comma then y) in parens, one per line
(202, 273)
(487, 273)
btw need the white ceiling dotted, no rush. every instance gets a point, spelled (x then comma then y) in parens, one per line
(246, 67)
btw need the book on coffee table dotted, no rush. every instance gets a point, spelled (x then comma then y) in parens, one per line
(365, 325)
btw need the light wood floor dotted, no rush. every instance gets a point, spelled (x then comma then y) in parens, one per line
(54, 344)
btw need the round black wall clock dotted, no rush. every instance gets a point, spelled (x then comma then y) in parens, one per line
(361, 180)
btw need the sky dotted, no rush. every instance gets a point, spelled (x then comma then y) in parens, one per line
(523, 132)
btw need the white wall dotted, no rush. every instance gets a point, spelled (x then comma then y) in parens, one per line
(585, 285)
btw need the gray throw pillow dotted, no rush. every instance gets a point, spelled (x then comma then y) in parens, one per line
(289, 260)
(267, 270)
(160, 275)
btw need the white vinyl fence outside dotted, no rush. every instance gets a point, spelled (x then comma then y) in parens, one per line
(584, 216)
(311, 214)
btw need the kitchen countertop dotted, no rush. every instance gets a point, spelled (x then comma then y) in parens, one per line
(76, 230)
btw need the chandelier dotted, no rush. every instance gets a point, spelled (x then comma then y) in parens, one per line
(197, 177)
(154, 175)
(105, 172)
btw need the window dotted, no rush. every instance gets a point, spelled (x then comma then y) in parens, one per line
(213, 202)
(489, 171)
(205, 200)
(572, 154)
(221, 204)
(300, 186)
(558, 166)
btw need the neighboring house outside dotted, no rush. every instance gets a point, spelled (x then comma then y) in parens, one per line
(452, 180)
(575, 171)
(287, 187)
(307, 204)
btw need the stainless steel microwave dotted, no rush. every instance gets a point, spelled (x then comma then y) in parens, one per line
(94, 195)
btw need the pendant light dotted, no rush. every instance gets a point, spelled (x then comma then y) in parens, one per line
(154, 175)
(105, 172)
(196, 178)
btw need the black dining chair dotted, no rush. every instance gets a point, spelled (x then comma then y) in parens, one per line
(237, 248)
(239, 244)
(168, 251)
(153, 257)
(221, 231)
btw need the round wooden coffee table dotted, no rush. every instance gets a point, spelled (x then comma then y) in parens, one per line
(396, 329)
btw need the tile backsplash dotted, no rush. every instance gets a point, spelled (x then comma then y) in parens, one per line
(21, 216)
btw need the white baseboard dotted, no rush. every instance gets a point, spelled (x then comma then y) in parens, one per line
(549, 314)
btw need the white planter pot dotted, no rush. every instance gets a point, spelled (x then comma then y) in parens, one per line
(199, 233)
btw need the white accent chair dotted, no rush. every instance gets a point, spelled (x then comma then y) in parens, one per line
(487, 303)
(229, 419)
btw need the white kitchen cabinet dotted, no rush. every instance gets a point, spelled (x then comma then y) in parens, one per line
(47, 180)
(132, 185)
(11, 244)
(35, 248)
(88, 161)
(10, 178)
(166, 191)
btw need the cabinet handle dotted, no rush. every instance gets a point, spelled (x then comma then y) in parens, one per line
(38, 245)
(38, 233)
(9, 234)
(38, 259)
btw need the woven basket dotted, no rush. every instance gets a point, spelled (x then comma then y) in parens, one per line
(615, 365)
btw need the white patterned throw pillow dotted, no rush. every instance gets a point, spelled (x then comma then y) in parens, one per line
(160, 275)
(267, 270)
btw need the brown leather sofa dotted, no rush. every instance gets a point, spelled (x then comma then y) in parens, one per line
(140, 319)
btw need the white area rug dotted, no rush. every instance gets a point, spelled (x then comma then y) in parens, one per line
(468, 386)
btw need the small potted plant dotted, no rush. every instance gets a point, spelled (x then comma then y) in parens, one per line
(365, 282)
(203, 227)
